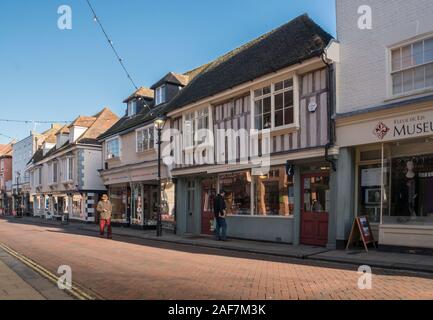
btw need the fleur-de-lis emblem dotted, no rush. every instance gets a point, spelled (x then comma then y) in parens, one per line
(381, 130)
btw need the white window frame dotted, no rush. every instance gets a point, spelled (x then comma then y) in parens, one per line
(271, 83)
(69, 167)
(53, 176)
(132, 108)
(160, 94)
(149, 147)
(120, 148)
(391, 72)
(195, 118)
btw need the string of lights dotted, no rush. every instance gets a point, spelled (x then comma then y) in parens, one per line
(34, 121)
(6, 136)
(96, 19)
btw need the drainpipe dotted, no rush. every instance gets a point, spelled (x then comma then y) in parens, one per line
(331, 122)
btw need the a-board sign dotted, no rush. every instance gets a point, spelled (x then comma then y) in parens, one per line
(361, 230)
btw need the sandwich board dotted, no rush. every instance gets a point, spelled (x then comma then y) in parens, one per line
(361, 230)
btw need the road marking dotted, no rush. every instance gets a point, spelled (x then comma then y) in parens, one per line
(76, 292)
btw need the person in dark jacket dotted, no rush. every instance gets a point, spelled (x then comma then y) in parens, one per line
(220, 216)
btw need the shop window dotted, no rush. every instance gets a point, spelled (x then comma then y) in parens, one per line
(369, 192)
(274, 193)
(412, 190)
(238, 192)
(118, 197)
(77, 205)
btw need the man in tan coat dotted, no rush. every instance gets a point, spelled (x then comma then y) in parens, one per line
(104, 209)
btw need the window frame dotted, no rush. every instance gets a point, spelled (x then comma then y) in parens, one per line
(401, 70)
(106, 148)
(160, 94)
(132, 108)
(271, 83)
(195, 120)
(150, 128)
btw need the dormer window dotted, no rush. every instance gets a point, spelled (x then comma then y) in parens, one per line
(160, 95)
(132, 108)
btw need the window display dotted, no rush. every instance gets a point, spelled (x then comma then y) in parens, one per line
(238, 192)
(274, 193)
(118, 197)
(412, 185)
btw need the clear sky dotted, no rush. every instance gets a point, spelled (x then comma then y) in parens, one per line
(52, 74)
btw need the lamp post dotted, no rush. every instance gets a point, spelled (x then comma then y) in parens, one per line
(159, 125)
(18, 194)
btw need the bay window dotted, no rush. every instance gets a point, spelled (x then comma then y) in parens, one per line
(412, 67)
(145, 139)
(274, 105)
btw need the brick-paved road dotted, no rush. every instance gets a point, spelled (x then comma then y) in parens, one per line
(142, 269)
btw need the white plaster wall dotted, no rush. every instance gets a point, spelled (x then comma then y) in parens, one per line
(363, 74)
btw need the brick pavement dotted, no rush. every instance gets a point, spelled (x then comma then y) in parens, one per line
(128, 268)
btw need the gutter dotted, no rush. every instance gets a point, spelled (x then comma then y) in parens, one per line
(331, 107)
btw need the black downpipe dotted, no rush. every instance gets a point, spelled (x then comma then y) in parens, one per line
(331, 122)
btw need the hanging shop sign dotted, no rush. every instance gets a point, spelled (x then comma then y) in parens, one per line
(386, 129)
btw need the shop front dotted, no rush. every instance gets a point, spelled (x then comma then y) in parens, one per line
(394, 176)
(266, 207)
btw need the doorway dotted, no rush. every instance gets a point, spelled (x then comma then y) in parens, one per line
(208, 195)
(315, 209)
(190, 206)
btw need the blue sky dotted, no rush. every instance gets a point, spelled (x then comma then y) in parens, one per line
(50, 74)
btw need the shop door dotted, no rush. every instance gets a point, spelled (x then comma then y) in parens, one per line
(208, 196)
(315, 206)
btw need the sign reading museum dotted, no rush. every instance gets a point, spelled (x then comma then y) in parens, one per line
(385, 129)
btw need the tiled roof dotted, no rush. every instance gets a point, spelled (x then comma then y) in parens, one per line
(99, 123)
(127, 123)
(6, 149)
(141, 92)
(294, 42)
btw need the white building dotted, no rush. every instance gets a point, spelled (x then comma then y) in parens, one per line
(22, 153)
(385, 119)
(64, 175)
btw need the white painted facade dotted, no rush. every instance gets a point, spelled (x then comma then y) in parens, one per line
(364, 70)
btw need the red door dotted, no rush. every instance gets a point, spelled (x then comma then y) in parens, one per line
(314, 212)
(208, 196)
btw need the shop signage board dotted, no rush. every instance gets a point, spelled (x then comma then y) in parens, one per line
(361, 230)
(392, 128)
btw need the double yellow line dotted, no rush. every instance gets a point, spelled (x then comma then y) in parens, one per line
(75, 292)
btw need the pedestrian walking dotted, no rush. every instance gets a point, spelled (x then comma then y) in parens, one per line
(220, 216)
(105, 209)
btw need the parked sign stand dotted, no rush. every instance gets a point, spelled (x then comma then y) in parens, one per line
(361, 230)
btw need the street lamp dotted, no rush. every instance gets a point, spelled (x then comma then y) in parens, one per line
(18, 195)
(159, 125)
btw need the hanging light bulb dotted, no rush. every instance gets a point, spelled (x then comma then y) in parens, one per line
(95, 18)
